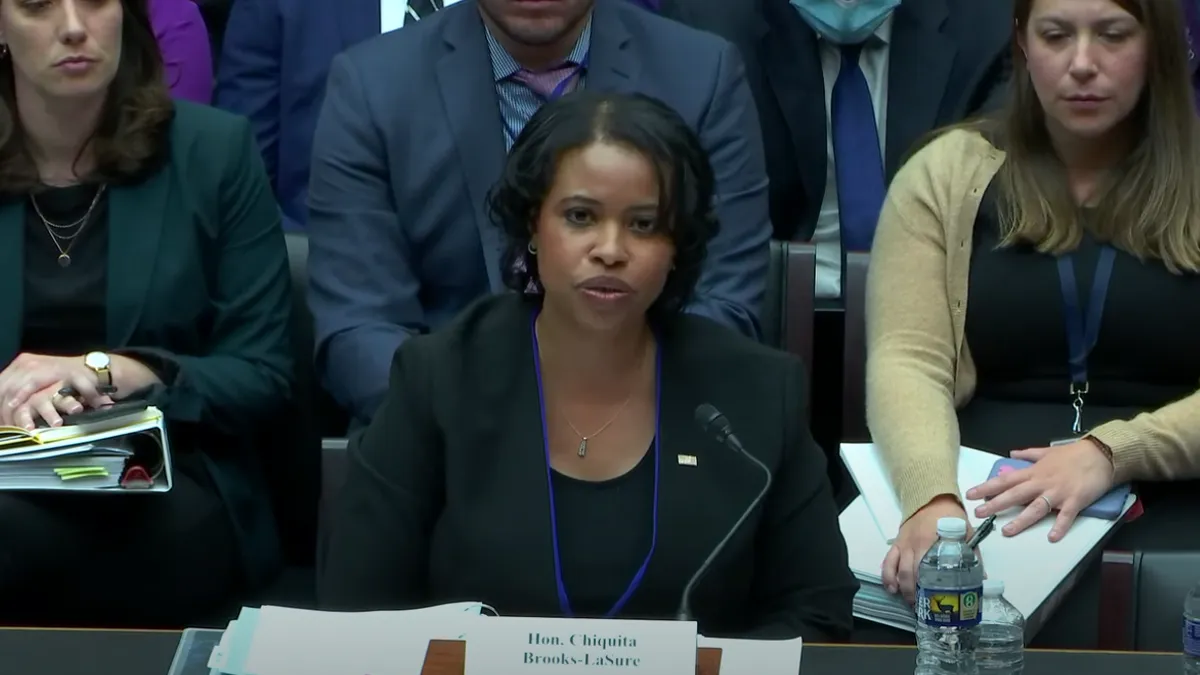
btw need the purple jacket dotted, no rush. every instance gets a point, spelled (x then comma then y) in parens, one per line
(183, 41)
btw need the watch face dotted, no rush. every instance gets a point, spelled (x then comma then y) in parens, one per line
(96, 360)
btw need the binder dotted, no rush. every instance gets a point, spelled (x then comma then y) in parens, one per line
(120, 453)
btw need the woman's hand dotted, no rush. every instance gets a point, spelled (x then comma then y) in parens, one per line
(916, 535)
(1067, 477)
(48, 405)
(30, 374)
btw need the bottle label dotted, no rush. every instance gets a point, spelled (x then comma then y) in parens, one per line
(1191, 637)
(955, 608)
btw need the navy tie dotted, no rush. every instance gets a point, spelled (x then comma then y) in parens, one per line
(860, 183)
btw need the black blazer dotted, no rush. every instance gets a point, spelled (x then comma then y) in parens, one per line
(198, 283)
(949, 59)
(446, 498)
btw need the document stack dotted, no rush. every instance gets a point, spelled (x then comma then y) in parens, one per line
(286, 641)
(872, 519)
(116, 450)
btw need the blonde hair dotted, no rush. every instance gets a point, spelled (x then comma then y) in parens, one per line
(1150, 206)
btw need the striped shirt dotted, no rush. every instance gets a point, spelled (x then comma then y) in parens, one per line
(518, 103)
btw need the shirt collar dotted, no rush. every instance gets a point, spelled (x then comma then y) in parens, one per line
(505, 66)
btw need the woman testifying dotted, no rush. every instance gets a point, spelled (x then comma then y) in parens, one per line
(541, 454)
(141, 257)
(1034, 287)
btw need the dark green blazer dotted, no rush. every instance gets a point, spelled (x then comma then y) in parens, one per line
(198, 278)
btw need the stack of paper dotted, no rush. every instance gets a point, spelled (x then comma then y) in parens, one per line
(284, 641)
(874, 518)
(125, 450)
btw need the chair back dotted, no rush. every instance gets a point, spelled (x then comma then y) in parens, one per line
(799, 302)
(773, 302)
(854, 349)
(1141, 601)
(331, 420)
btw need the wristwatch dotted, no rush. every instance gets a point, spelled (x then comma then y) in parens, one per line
(99, 363)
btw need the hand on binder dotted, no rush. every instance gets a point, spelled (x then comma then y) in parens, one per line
(30, 383)
(123, 448)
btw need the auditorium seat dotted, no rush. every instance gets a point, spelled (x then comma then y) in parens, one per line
(331, 420)
(854, 350)
(1141, 602)
(772, 309)
(799, 302)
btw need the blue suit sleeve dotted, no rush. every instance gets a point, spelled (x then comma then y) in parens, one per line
(733, 284)
(363, 292)
(249, 75)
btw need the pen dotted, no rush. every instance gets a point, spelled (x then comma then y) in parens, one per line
(984, 530)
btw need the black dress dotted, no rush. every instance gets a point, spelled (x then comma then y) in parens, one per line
(1145, 358)
(84, 559)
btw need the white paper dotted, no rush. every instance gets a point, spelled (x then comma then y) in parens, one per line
(307, 642)
(547, 646)
(756, 657)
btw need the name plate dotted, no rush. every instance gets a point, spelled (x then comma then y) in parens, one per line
(516, 645)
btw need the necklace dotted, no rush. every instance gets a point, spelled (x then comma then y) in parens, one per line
(57, 231)
(583, 440)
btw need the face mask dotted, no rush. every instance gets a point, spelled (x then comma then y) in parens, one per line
(845, 22)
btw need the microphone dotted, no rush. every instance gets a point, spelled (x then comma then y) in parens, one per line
(716, 425)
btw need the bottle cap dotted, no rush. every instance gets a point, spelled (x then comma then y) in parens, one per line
(952, 528)
(993, 588)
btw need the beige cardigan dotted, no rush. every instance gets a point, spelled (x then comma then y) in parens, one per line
(919, 369)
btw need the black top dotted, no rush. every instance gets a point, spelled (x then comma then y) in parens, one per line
(65, 306)
(1145, 356)
(610, 532)
(446, 494)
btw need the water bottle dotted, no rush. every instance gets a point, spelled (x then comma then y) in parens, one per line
(949, 599)
(1191, 632)
(1001, 634)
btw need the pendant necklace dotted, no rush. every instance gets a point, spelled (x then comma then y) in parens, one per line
(583, 440)
(58, 232)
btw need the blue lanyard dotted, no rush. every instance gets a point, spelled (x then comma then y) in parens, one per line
(564, 602)
(1083, 332)
(558, 92)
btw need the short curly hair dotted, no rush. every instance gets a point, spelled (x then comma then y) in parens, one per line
(646, 125)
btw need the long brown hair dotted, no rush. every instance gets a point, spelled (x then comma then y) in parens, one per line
(131, 136)
(1150, 206)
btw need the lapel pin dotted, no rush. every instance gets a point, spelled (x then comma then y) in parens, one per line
(686, 460)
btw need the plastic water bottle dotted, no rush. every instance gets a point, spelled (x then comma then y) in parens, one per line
(1191, 632)
(949, 600)
(1001, 634)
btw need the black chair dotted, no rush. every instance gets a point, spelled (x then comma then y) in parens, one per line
(331, 420)
(1141, 603)
(854, 352)
(799, 302)
(773, 304)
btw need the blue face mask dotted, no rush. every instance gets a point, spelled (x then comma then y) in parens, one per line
(845, 22)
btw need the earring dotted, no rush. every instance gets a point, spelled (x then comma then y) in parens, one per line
(3, 50)
(531, 247)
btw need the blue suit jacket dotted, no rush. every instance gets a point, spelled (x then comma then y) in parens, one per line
(410, 140)
(274, 63)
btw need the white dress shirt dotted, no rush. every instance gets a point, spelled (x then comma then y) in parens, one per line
(827, 237)
(393, 13)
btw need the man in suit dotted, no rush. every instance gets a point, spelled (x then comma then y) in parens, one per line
(414, 133)
(275, 58)
(891, 71)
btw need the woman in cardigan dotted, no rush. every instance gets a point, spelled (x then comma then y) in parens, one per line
(1090, 178)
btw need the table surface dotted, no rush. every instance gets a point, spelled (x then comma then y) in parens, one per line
(88, 652)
